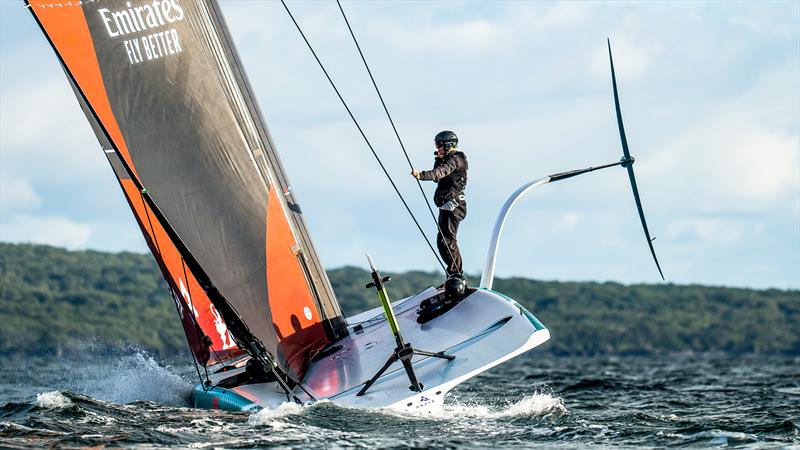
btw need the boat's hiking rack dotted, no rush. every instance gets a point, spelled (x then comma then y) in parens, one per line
(404, 352)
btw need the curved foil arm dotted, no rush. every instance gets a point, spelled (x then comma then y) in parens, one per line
(487, 278)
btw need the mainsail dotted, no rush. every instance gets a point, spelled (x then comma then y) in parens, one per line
(162, 86)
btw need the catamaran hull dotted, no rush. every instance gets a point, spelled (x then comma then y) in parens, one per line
(482, 331)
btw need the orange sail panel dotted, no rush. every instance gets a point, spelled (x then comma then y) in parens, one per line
(294, 312)
(68, 32)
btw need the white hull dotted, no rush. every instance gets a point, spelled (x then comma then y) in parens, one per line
(482, 331)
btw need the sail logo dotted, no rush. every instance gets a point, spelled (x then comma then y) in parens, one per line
(222, 329)
(188, 297)
(138, 19)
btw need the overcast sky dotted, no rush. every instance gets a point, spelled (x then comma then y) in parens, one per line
(710, 94)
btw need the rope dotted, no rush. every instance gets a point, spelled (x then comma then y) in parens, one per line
(402, 146)
(163, 263)
(377, 158)
(200, 334)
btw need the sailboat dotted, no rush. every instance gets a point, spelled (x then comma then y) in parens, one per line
(164, 90)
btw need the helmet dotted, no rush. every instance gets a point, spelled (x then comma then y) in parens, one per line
(455, 286)
(446, 137)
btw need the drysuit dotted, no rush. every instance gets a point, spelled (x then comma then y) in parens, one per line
(450, 173)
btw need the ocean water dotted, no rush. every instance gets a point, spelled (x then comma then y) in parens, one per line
(130, 399)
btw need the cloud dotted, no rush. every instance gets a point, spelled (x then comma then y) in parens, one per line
(741, 154)
(767, 22)
(706, 231)
(557, 16)
(21, 220)
(52, 230)
(17, 194)
(565, 222)
(633, 57)
(450, 40)
(22, 110)
(44, 129)
(759, 166)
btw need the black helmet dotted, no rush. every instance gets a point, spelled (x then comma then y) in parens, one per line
(446, 137)
(455, 286)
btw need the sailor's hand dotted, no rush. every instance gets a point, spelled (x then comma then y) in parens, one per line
(415, 174)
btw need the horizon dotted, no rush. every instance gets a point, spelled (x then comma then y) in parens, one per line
(709, 94)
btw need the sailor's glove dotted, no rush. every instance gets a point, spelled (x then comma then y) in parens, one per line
(415, 174)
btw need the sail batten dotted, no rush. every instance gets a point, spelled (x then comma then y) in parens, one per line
(164, 90)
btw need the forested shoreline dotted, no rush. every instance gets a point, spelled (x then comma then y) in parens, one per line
(53, 300)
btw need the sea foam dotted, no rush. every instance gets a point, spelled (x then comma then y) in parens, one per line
(140, 377)
(267, 416)
(534, 405)
(529, 405)
(129, 378)
(52, 400)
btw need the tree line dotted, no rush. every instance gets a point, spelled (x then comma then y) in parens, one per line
(53, 300)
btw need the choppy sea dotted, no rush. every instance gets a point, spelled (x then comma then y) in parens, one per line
(130, 399)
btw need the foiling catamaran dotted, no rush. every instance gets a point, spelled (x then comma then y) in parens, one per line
(164, 90)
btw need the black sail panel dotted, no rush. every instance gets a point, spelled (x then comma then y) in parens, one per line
(174, 103)
(175, 116)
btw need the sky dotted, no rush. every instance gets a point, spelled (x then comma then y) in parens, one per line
(710, 95)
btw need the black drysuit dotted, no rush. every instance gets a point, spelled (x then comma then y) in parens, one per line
(450, 172)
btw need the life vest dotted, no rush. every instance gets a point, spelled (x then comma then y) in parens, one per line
(452, 186)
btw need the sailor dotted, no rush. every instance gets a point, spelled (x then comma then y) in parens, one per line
(450, 173)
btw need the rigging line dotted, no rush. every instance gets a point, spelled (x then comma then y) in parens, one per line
(313, 399)
(377, 158)
(200, 334)
(158, 249)
(396, 133)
